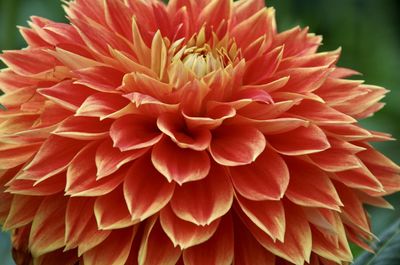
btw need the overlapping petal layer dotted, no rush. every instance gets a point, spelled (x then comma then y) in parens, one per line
(187, 133)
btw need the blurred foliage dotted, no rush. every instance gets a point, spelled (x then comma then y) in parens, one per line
(367, 30)
(387, 249)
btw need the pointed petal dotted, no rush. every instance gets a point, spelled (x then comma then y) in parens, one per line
(81, 175)
(310, 186)
(320, 113)
(195, 167)
(154, 240)
(217, 250)
(269, 216)
(301, 141)
(297, 243)
(53, 157)
(101, 105)
(110, 159)
(236, 145)
(202, 202)
(145, 190)
(196, 139)
(22, 212)
(247, 249)
(67, 94)
(111, 211)
(265, 179)
(100, 78)
(78, 214)
(182, 233)
(43, 237)
(112, 251)
(134, 132)
(83, 128)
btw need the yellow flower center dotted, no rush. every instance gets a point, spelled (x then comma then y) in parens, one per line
(201, 61)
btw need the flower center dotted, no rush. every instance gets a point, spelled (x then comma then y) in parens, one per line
(201, 61)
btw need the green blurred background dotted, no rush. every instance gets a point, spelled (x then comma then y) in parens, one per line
(367, 30)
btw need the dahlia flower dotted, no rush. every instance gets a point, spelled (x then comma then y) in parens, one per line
(184, 133)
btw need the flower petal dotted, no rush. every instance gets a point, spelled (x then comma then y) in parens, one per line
(217, 250)
(134, 132)
(53, 157)
(269, 216)
(198, 140)
(301, 141)
(202, 202)
(82, 179)
(112, 251)
(83, 128)
(111, 211)
(297, 244)
(185, 234)
(320, 191)
(183, 166)
(154, 240)
(109, 159)
(236, 145)
(22, 211)
(146, 191)
(44, 238)
(320, 113)
(101, 105)
(247, 249)
(100, 78)
(265, 179)
(67, 94)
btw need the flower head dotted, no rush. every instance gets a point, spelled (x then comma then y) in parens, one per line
(188, 133)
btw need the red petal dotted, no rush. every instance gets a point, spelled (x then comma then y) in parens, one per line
(30, 62)
(111, 211)
(100, 78)
(53, 157)
(78, 214)
(12, 155)
(83, 128)
(134, 132)
(185, 234)
(67, 94)
(156, 248)
(45, 238)
(81, 175)
(198, 140)
(101, 105)
(320, 113)
(202, 202)
(23, 210)
(168, 159)
(311, 187)
(335, 160)
(360, 178)
(110, 159)
(265, 179)
(247, 249)
(214, 118)
(217, 250)
(301, 141)
(112, 251)
(263, 66)
(297, 243)
(80, 226)
(269, 216)
(236, 145)
(146, 191)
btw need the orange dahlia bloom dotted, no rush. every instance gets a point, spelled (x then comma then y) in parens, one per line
(190, 133)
